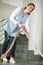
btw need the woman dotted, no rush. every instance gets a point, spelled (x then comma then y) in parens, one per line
(13, 26)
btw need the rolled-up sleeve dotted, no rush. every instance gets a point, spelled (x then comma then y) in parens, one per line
(15, 12)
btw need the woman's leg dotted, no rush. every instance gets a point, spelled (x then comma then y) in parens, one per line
(5, 44)
(13, 48)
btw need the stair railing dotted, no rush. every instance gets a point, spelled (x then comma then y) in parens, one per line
(2, 28)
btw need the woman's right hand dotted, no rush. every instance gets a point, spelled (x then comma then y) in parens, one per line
(19, 24)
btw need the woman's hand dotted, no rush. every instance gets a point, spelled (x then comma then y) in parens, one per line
(24, 30)
(19, 24)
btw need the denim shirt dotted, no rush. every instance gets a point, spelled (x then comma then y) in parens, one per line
(13, 29)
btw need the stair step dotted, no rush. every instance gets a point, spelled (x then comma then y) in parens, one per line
(22, 42)
(34, 57)
(22, 47)
(28, 52)
(23, 54)
(29, 57)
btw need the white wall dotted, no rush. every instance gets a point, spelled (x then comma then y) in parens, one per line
(36, 26)
(0, 0)
(6, 10)
(25, 2)
(13, 2)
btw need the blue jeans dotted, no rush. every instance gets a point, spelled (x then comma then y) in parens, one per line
(6, 42)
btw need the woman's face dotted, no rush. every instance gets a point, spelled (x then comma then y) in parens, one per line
(29, 9)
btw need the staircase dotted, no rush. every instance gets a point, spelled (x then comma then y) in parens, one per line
(22, 52)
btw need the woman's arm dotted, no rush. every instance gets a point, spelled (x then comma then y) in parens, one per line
(15, 12)
(24, 30)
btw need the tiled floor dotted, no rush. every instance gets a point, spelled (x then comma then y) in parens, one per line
(21, 62)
